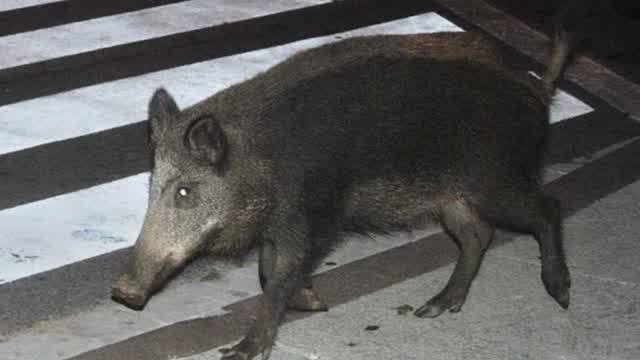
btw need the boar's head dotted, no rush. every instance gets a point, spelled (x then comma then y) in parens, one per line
(197, 201)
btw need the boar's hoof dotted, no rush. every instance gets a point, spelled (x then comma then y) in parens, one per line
(440, 304)
(132, 301)
(307, 300)
(124, 293)
(230, 354)
(557, 283)
(245, 350)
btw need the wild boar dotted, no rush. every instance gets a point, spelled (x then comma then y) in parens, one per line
(371, 135)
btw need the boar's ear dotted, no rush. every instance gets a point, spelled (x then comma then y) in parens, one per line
(161, 108)
(205, 139)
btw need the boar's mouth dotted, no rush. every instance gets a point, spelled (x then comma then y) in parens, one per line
(149, 271)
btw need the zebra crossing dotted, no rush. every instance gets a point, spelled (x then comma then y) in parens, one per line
(19, 4)
(83, 230)
(26, 247)
(155, 22)
(64, 227)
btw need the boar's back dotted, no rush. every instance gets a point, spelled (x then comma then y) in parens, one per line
(434, 106)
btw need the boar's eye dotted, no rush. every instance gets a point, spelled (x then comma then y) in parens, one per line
(183, 191)
(185, 197)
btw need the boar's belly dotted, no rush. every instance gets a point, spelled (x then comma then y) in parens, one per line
(384, 205)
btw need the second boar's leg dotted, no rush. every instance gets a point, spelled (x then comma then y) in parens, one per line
(472, 235)
(305, 298)
(287, 263)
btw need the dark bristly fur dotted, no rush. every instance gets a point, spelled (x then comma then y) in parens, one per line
(370, 134)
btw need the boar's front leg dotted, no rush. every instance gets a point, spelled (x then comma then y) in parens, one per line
(285, 262)
(305, 298)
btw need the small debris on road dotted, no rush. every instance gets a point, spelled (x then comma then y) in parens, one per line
(21, 259)
(372, 328)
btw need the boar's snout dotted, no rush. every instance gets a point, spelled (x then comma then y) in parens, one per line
(128, 293)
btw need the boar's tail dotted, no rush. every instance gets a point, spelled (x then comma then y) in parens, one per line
(562, 43)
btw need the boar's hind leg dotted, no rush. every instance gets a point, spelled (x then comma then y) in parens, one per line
(472, 235)
(535, 213)
(305, 298)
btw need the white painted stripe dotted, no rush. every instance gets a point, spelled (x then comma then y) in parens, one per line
(566, 106)
(61, 230)
(100, 107)
(77, 37)
(64, 229)
(6, 5)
